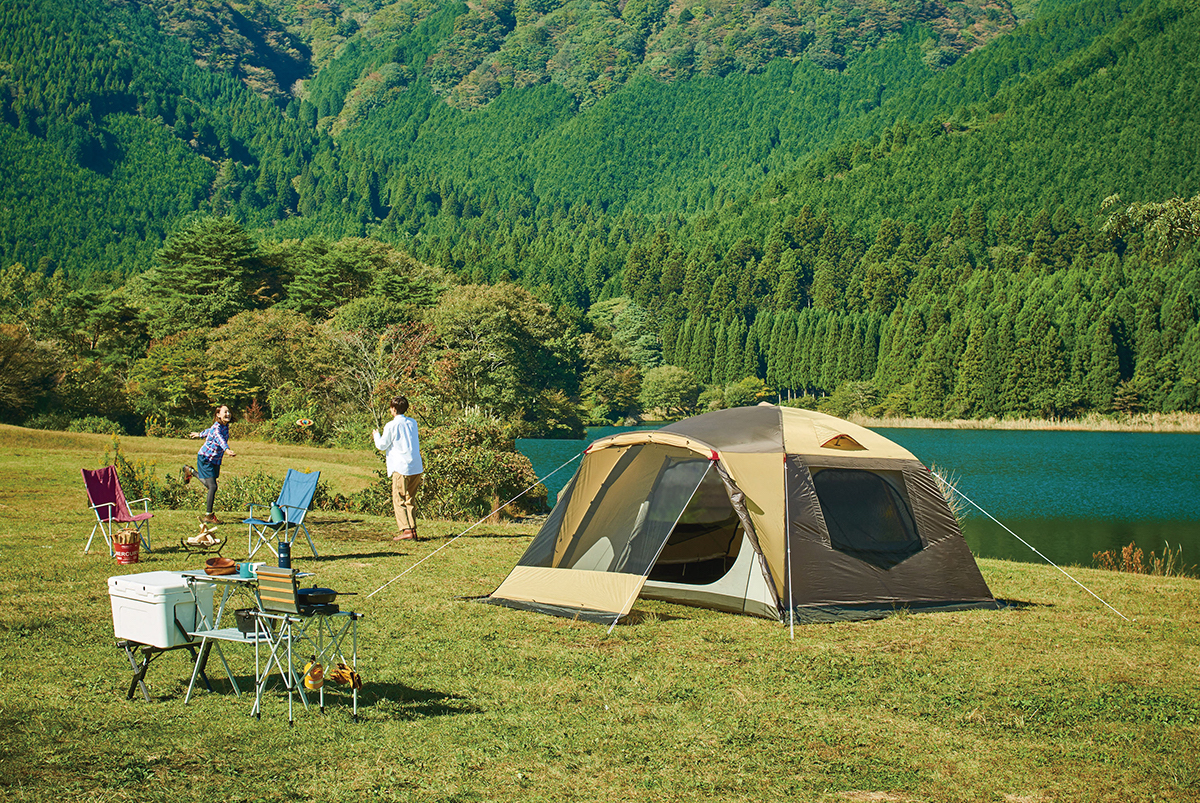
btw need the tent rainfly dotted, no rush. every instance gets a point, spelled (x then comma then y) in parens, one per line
(757, 510)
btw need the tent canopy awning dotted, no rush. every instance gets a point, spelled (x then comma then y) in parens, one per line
(654, 436)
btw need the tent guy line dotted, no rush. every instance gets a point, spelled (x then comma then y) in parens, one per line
(1031, 546)
(473, 526)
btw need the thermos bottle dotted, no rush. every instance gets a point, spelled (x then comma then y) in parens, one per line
(285, 555)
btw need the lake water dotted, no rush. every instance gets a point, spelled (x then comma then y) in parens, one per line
(1070, 494)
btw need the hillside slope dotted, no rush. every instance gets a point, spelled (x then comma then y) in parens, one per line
(121, 119)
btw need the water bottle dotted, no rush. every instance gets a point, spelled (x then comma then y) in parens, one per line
(285, 555)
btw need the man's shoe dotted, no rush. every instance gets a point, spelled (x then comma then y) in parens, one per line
(188, 472)
(210, 519)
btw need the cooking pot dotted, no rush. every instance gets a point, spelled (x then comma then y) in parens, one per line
(245, 619)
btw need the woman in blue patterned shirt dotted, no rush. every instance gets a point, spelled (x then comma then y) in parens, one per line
(208, 459)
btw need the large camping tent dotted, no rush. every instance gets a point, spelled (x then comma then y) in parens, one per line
(758, 510)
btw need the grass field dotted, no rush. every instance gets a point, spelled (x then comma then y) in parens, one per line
(1055, 700)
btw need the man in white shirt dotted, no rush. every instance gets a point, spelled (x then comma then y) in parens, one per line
(399, 442)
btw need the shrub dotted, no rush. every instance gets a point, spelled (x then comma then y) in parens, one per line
(245, 430)
(97, 425)
(376, 498)
(850, 398)
(671, 390)
(174, 426)
(56, 421)
(261, 488)
(947, 484)
(351, 433)
(236, 493)
(746, 392)
(249, 423)
(470, 469)
(284, 428)
(804, 402)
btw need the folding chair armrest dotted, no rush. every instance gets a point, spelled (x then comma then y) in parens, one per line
(285, 508)
(103, 504)
(274, 525)
(145, 500)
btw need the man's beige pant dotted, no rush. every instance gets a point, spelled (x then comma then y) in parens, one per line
(404, 497)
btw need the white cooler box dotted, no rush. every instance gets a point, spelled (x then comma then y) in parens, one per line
(145, 607)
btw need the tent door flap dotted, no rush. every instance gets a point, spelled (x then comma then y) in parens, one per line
(610, 592)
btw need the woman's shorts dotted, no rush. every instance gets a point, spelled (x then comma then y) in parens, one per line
(206, 470)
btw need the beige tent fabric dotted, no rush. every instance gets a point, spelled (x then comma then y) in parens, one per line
(804, 432)
(652, 436)
(761, 479)
(611, 591)
(592, 471)
(623, 479)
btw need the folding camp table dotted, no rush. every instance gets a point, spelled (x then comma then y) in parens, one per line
(282, 622)
(152, 613)
(209, 632)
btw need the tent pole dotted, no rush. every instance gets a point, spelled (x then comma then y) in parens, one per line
(1031, 546)
(787, 540)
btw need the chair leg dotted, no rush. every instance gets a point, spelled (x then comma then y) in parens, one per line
(292, 679)
(106, 532)
(88, 546)
(254, 544)
(310, 541)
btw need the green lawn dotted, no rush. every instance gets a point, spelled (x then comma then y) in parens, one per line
(1057, 700)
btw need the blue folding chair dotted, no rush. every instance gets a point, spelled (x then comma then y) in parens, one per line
(286, 516)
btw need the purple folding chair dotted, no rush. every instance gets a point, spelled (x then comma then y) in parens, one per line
(107, 501)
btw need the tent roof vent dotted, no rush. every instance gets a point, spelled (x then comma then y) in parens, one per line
(830, 438)
(843, 442)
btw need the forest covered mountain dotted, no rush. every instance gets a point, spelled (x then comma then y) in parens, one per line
(309, 117)
(895, 206)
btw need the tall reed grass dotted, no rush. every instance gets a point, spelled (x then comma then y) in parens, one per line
(1093, 422)
(946, 483)
(1132, 559)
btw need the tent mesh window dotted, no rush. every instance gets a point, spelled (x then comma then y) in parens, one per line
(624, 523)
(867, 515)
(704, 543)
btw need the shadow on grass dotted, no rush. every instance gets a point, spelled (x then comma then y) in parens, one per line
(636, 617)
(474, 534)
(385, 700)
(359, 555)
(1020, 604)
(405, 702)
